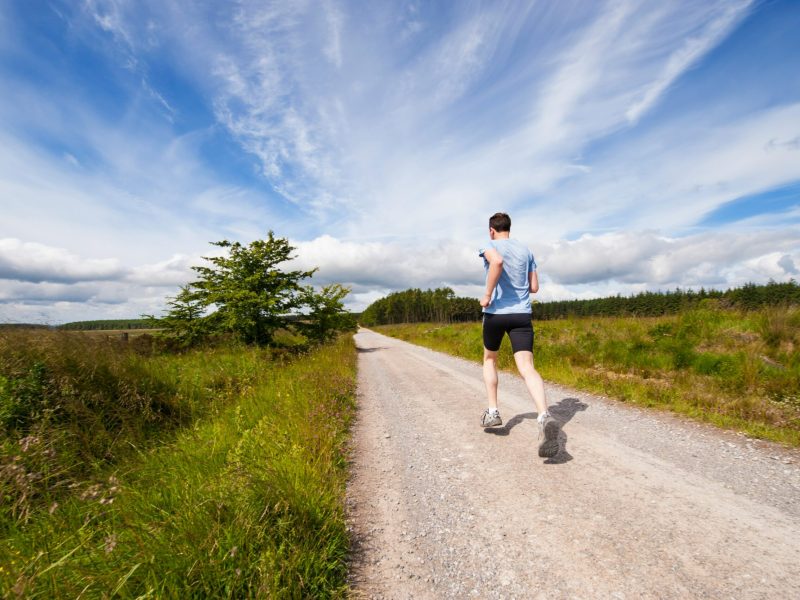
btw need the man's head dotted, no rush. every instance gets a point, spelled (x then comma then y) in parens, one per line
(500, 222)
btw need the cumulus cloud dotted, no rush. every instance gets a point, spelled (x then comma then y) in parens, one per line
(388, 265)
(710, 258)
(173, 272)
(37, 293)
(27, 261)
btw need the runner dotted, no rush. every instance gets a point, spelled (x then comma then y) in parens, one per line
(510, 279)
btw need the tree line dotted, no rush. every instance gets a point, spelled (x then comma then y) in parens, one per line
(105, 324)
(653, 304)
(443, 306)
(417, 306)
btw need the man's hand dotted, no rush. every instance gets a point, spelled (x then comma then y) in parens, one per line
(486, 300)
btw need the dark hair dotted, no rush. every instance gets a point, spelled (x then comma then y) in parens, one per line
(500, 222)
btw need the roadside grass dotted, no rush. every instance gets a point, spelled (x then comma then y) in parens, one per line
(220, 474)
(737, 370)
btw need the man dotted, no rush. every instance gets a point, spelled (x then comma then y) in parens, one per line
(510, 279)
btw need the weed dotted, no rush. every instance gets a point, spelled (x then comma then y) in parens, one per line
(221, 473)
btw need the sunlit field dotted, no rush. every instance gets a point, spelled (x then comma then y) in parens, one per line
(735, 369)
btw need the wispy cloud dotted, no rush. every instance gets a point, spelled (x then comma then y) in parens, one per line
(689, 52)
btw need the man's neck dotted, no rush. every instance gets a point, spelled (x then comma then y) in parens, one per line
(501, 235)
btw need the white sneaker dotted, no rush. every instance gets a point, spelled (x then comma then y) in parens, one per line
(490, 419)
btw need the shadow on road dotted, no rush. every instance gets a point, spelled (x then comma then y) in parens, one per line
(375, 349)
(566, 409)
(563, 411)
(510, 424)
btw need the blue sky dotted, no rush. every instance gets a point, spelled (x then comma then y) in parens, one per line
(636, 145)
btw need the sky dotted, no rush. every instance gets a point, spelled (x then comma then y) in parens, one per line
(637, 145)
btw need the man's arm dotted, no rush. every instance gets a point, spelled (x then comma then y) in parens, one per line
(533, 282)
(495, 270)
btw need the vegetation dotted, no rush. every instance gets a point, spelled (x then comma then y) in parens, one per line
(247, 295)
(216, 472)
(734, 368)
(416, 306)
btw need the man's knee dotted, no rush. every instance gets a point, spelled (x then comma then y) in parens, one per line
(489, 355)
(524, 362)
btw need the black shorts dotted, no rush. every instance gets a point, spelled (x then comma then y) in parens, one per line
(518, 327)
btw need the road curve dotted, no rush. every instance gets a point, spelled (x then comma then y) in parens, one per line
(638, 504)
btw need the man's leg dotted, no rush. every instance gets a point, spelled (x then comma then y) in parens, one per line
(490, 376)
(533, 380)
(491, 416)
(548, 426)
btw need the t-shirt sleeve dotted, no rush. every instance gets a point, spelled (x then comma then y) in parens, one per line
(488, 246)
(531, 262)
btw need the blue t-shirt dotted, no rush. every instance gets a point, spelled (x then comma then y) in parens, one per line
(512, 294)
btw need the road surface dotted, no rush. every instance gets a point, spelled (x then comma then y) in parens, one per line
(638, 504)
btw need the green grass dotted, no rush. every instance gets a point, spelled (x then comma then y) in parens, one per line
(738, 370)
(233, 488)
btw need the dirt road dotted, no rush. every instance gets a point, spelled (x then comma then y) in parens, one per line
(637, 504)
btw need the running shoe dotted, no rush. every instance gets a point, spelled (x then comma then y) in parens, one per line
(548, 437)
(490, 419)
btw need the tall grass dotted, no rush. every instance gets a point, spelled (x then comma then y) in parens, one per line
(738, 370)
(220, 474)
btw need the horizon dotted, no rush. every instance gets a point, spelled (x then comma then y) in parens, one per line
(534, 301)
(637, 146)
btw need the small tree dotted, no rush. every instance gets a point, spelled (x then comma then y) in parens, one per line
(326, 314)
(248, 294)
(185, 319)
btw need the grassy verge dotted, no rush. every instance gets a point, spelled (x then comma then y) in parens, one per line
(231, 485)
(738, 370)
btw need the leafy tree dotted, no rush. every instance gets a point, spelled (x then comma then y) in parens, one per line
(246, 292)
(184, 319)
(325, 313)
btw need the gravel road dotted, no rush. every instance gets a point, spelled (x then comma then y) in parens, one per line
(637, 504)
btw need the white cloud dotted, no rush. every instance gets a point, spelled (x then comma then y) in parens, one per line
(335, 18)
(173, 272)
(653, 260)
(25, 261)
(387, 266)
